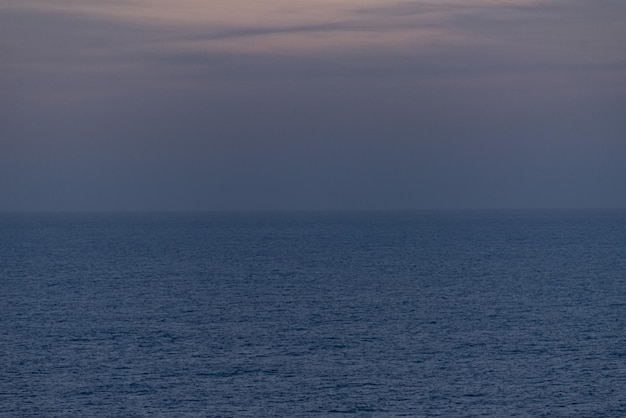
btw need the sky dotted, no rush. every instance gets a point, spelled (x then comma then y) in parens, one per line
(115, 105)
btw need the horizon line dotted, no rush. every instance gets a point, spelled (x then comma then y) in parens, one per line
(300, 210)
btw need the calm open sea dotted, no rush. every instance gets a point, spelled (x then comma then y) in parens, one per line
(497, 313)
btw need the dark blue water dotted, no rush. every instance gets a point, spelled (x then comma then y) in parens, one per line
(313, 314)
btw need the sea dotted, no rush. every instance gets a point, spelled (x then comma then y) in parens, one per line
(313, 314)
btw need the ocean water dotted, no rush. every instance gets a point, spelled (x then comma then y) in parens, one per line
(387, 314)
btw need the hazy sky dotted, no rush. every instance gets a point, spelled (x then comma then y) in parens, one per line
(312, 104)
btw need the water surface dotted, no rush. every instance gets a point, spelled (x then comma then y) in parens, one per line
(497, 313)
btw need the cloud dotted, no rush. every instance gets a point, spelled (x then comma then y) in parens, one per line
(543, 48)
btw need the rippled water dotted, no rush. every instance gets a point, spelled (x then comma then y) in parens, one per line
(313, 314)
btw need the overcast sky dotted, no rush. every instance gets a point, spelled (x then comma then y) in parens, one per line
(304, 104)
